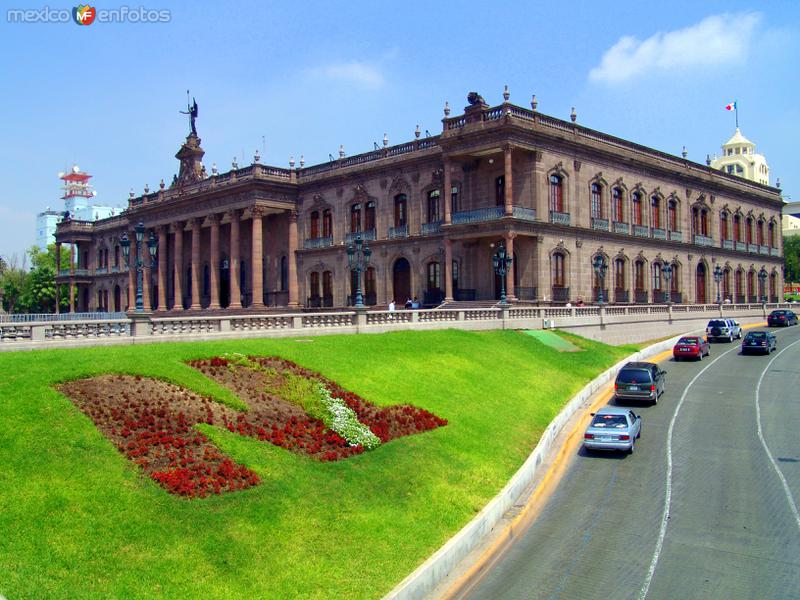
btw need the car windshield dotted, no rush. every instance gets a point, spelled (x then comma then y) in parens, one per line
(634, 376)
(756, 335)
(610, 421)
(718, 323)
(693, 341)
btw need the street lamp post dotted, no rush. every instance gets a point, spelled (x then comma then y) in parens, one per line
(600, 267)
(762, 277)
(152, 245)
(717, 280)
(501, 263)
(666, 271)
(358, 255)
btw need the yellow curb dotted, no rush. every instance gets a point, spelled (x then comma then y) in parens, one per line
(537, 499)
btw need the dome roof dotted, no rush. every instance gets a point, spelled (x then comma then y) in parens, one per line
(737, 140)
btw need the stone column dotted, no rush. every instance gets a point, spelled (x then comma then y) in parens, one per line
(132, 272)
(293, 292)
(71, 258)
(72, 296)
(257, 257)
(448, 270)
(58, 269)
(147, 276)
(214, 266)
(510, 274)
(162, 268)
(196, 271)
(235, 292)
(509, 187)
(446, 194)
(178, 260)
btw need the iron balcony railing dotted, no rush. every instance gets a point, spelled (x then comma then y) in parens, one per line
(727, 244)
(676, 236)
(676, 297)
(431, 228)
(703, 240)
(524, 213)
(741, 247)
(641, 231)
(367, 236)
(658, 233)
(622, 228)
(774, 252)
(559, 218)
(401, 231)
(560, 294)
(621, 296)
(478, 215)
(752, 248)
(525, 292)
(640, 296)
(322, 242)
(600, 224)
(763, 250)
(659, 297)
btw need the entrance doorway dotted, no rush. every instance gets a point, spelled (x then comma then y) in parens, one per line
(117, 298)
(224, 283)
(401, 281)
(701, 283)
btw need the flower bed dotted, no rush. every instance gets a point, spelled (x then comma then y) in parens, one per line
(152, 422)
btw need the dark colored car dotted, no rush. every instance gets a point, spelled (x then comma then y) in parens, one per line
(640, 381)
(763, 342)
(691, 346)
(781, 318)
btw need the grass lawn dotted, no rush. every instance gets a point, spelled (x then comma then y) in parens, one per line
(77, 520)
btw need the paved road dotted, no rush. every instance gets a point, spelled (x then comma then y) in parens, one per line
(732, 529)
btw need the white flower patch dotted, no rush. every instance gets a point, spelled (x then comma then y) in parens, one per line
(344, 421)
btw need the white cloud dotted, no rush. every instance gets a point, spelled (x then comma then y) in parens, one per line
(354, 72)
(714, 41)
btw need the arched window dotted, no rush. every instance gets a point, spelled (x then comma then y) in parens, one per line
(751, 286)
(739, 282)
(556, 194)
(619, 274)
(369, 216)
(748, 230)
(726, 284)
(597, 201)
(760, 232)
(355, 218)
(400, 211)
(655, 212)
(327, 288)
(672, 216)
(327, 223)
(638, 275)
(636, 203)
(313, 287)
(656, 268)
(724, 226)
(618, 205)
(314, 225)
(500, 190)
(559, 275)
(773, 287)
(370, 287)
(771, 234)
(700, 220)
(674, 282)
(434, 213)
(737, 228)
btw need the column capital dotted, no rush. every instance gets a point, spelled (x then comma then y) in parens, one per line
(258, 211)
(176, 226)
(233, 213)
(293, 216)
(507, 148)
(213, 218)
(195, 222)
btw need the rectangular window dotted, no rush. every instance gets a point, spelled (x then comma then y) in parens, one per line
(500, 190)
(327, 223)
(355, 218)
(637, 209)
(655, 212)
(433, 206)
(619, 274)
(454, 207)
(314, 225)
(434, 276)
(597, 205)
(369, 216)
(619, 214)
(400, 212)
(558, 270)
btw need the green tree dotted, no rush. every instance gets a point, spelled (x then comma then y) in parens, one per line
(36, 293)
(791, 257)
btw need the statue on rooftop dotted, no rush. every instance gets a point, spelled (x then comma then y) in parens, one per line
(475, 98)
(191, 111)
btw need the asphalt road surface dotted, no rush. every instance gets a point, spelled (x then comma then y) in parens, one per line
(706, 506)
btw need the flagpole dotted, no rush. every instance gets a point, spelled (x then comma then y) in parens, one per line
(736, 110)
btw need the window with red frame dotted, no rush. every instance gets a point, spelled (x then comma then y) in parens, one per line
(400, 210)
(655, 212)
(672, 209)
(559, 276)
(597, 201)
(369, 216)
(327, 223)
(619, 274)
(636, 202)
(314, 225)
(355, 218)
(619, 205)
(556, 194)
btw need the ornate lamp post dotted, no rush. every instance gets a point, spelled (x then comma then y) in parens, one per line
(666, 271)
(717, 279)
(762, 277)
(152, 245)
(358, 255)
(600, 267)
(501, 263)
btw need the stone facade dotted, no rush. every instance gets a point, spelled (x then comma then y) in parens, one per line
(433, 211)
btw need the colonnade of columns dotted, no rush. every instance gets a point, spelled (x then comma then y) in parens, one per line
(195, 226)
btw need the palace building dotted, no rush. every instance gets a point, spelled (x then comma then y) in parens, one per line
(433, 211)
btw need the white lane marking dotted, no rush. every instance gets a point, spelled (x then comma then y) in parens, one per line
(786, 490)
(668, 494)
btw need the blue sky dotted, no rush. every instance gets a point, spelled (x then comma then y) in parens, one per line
(307, 77)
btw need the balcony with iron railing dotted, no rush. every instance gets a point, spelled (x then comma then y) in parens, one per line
(524, 213)
(763, 250)
(741, 247)
(676, 236)
(395, 233)
(641, 231)
(727, 244)
(560, 294)
(640, 296)
(752, 248)
(559, 218)
(774, 252)
(596, 295)
(431, 228)
(659, 297)
(622, 228)
(621, 296)
(367, 236)
(702, 240)
(478, 215)
(676, 297)
(658, 233)
(600, 224)
(525, 292)
(321, 242)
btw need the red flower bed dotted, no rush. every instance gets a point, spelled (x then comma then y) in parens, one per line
(152, 423)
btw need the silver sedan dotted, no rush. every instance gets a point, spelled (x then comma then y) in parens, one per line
(613, 428)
